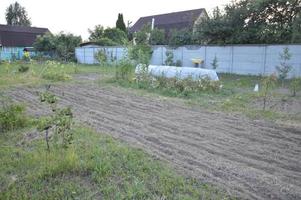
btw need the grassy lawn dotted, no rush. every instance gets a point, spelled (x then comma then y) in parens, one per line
(95, 166)
(42, 73)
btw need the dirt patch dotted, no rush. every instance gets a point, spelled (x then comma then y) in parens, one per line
(285, 104)
(88, 77)
(247, 158)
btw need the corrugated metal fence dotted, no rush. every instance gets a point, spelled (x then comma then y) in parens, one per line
(13, 53)
(237, 59)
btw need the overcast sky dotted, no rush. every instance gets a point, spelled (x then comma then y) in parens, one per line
(76, 16)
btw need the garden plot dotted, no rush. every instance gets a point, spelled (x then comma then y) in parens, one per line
(248, 158)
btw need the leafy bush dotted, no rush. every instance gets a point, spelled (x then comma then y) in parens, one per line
(56, 76)
(55, 71)
(107, 37)
(295, 86)
(141, 53)
(23, 68)
(106, 42)
(101, 57)
(178, 86)
(12, 117)
(178, 63)
(125, 70)
(63, 45)
(181, 37)
(169, 58)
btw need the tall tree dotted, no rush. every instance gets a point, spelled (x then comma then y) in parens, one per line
(253, 21)
(120, 23)
(16, 15)
(96, 33)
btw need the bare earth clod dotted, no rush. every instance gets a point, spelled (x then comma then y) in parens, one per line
(247, 158)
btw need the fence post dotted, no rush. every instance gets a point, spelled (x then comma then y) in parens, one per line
(205, 59)
(182, 56)
(162, 55)
(232, 58)
(84, 55)
(265, 59)
(93, 55)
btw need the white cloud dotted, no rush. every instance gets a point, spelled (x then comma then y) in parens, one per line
(77, 16)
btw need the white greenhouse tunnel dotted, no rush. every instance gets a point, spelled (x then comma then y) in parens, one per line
(178, 72)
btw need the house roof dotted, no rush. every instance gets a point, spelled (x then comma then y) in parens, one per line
(175, 20)
(19, 36)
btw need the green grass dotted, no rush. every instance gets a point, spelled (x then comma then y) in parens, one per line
(42, 73)
(95, 166)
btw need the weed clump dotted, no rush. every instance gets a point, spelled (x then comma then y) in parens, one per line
(12, 117)
(295, 86)
(55, 71)
(23, 68)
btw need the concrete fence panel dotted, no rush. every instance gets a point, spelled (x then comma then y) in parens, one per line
(237, 59)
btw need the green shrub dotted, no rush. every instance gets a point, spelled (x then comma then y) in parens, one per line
(141, 53)
(295, 86)
(12, 117)
(54, 71)
(178, 63)
(23, 68)
(56, 76)
(101, 57)
(169, 58)
(214, 63)
(125, 70)
(178, 86)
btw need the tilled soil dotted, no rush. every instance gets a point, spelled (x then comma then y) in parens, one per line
(247, 158)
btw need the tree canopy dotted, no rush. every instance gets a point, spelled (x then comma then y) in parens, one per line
(62, 45)
(120, 23)
(16, 15)
(107, 37)
(252, 21)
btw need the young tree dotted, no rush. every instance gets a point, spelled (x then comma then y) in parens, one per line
(96, 33)
(116, 35)
(284, 68)
(120, 23)
(267, 85)
(16, 15)
(214, 63)
(65, 45)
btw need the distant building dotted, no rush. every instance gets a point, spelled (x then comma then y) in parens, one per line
(19, 36)
(176, 20)
(16, 39)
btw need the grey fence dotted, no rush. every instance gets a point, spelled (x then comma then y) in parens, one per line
(236, 59)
